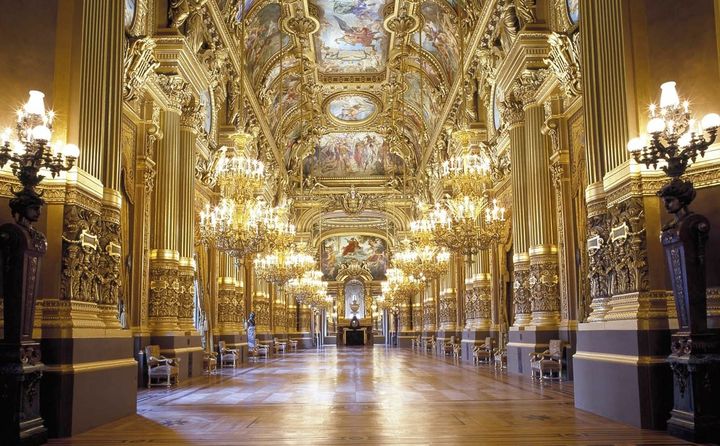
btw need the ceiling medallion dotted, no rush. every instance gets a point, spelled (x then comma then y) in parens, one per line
(352, 108)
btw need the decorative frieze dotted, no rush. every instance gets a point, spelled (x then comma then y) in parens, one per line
(521, 294)
(138, 65)
(599, 265)
(543, 280)
(81, 253)
(628, 241)
(164, 302)
(564, 61)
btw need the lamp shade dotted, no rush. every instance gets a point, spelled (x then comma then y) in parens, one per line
(668, 95)
(36, 103)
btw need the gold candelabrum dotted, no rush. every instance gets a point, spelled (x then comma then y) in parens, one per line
(466, 174)
(279, 266)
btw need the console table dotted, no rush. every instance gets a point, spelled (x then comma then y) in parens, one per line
(354, 336)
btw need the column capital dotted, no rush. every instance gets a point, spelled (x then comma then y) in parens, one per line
(175, 89)
(527, 85)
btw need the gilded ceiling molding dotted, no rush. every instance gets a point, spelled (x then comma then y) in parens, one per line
(487, 13)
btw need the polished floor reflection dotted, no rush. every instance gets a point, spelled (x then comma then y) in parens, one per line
(363, 396)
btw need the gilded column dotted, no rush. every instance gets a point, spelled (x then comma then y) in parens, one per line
(605, 85)
(165, 282)
(429, 305)
(543, 276)
(190, 122)
(447, 314)
(261, 307)
(144, 187)
(228, 303)
(292, 314)
(305, 318)
(482, 288)
(514, 117)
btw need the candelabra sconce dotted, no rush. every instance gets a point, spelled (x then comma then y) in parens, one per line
(21, 248)
(675, 141)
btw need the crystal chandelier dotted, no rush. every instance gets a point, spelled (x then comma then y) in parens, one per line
(399, 287)
(239, 177)
(247, 228)
(675, 138)
(282, 265)
(426, 261)
(458, 227)
(467, 174)
(307, 287)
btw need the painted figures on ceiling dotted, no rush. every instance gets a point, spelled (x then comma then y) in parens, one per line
(262, 37)
(352, 154)
(351, 37)
(352, 108)
(335, 251)
(438, 38)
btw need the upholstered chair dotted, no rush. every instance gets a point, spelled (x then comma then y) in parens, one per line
(161, 371)
(448, 346)
(279, 345)
(210, 362)
(228, 356)
(430, 344)
(483, 352)
(293, 344)
(548, 364)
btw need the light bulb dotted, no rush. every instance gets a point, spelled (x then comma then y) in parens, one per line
(71, 151)
(35, 104)
(19, 148)
(711, 121)
(655, 125)
(668, 95)
(685, 139)
(636, 145)
(41, 133)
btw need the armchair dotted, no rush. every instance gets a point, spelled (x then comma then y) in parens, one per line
(260, 350)
(228, 356)
(483, 352)
(293, 344)
(500, 358)
(279, 345)
(210, 362)
(449, 346)
(416, 342)
(548, 364)
(429, 343)
(163, 371)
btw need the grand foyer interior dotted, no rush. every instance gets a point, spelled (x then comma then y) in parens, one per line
(442, 180)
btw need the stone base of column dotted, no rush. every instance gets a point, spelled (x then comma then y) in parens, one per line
(600, 306)
(405, 338)
(140, 341)
(234, 341)
(304, 338)
(522, 342)
(471, 338)
(546, 319)
(639, 305)
(187, 348)
(109, 315)
(621, 371)
(522, 320)
(76, 395)
(568, 334)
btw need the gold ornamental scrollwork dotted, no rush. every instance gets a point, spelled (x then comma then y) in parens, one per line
(138, 65)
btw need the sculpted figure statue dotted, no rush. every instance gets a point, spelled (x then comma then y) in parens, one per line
(251, 331)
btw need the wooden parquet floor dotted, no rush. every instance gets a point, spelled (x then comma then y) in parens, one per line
(368, 396)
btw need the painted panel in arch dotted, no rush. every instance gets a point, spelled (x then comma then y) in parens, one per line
(334, 251)
(419, 95)
(248, 4)
(438, 37)
(573, 7)
(262, 37)
(130, 7)
(351, 37)
(358, 154)
(206, 103)
(285, 96)
(289, 62)
(352, 108)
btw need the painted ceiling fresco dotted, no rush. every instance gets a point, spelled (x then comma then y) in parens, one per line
(358, 154)
(438, 38)
(351, 37)
(262, 38)
(334, 251)
(352, 108)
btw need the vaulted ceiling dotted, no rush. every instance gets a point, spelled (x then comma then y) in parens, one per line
(353, 88)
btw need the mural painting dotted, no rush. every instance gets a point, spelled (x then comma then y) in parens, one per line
(438, 38)
(351, 37)
(334, 251)
(352, 108)
(352, 154)
(262, 37)
(573, 7)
